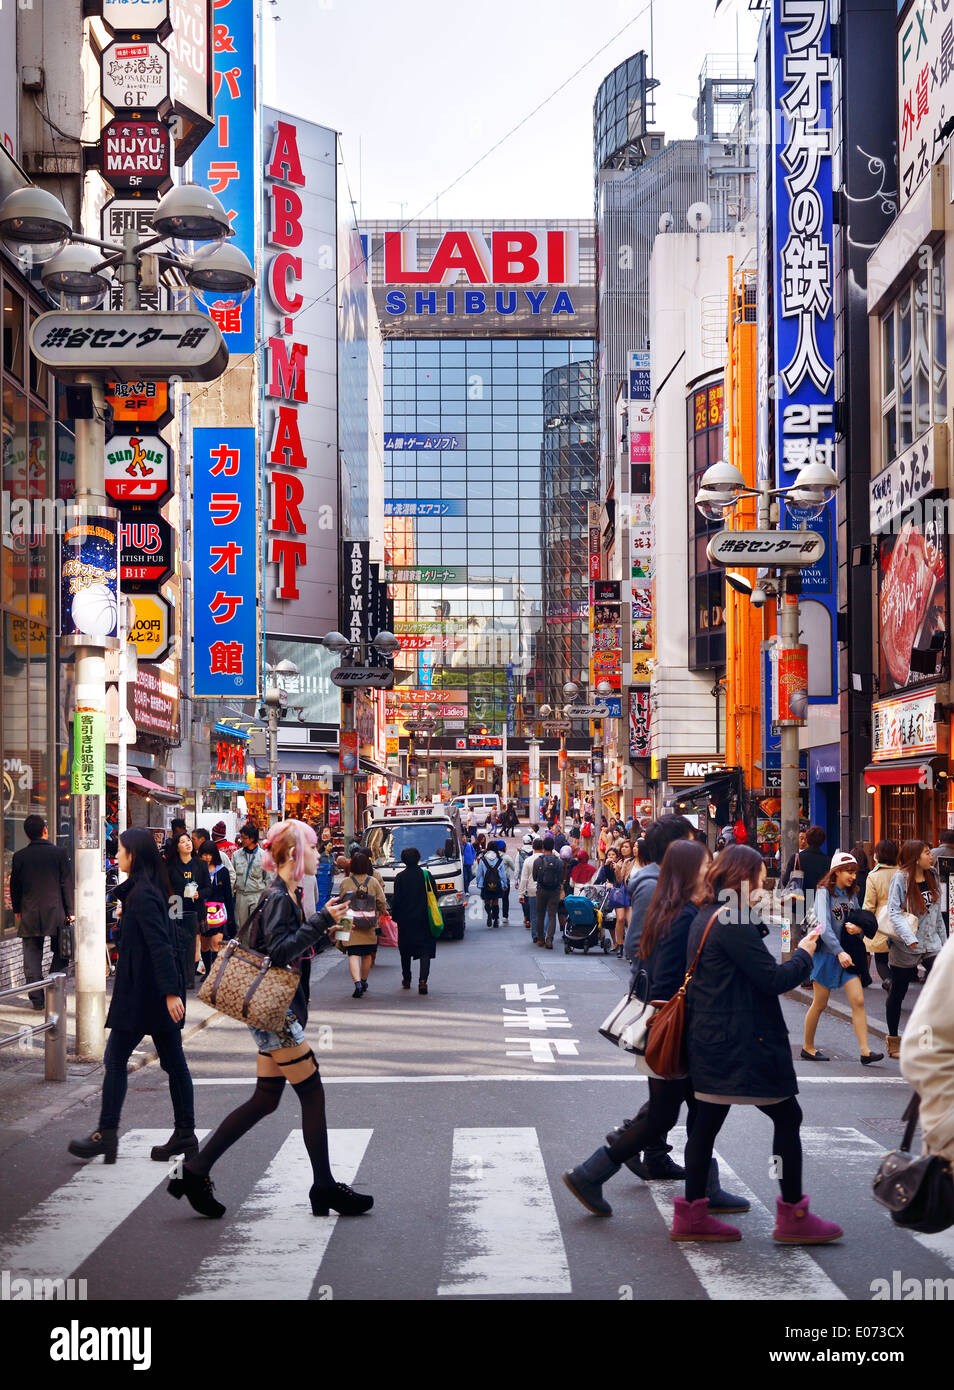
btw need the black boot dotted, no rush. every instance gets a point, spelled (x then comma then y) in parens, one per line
(718, 1199)
(101, 1141)
(586, 1181)
(199, 1192)
(340, 1198)
(181, 1141)
(660, 1168)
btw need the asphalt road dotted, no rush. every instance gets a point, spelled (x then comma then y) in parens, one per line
(459, 1111)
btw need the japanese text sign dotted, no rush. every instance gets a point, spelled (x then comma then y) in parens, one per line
(925, 74)
(130, 344)
(225, 537)
(89, 754)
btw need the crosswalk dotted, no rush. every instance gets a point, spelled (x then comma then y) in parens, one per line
(504, 1227)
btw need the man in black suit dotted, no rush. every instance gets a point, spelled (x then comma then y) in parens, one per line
(41, 892)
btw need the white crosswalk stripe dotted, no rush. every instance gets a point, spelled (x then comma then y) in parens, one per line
(69, 1225)
(273, 1246)
(504, 1233)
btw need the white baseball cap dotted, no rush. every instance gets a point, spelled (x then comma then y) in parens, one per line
(528, 839)
(842, 860)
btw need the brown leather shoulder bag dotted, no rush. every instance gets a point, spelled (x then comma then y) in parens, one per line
(666, 1052)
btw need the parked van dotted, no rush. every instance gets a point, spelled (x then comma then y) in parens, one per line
(433, 828)
(481, 804)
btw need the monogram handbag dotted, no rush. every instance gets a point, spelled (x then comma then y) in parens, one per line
(918, 1192)
(246, 986)
(665, 1049)
(626, 1026)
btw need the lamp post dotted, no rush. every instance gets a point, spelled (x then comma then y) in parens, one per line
(572, 690)
(424, 724)
(276, 703)
(385, 643)
(722, 488)
(76, 275)
(603, 690)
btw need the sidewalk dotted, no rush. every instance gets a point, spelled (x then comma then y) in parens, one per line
(875, 998)
(27, 1102)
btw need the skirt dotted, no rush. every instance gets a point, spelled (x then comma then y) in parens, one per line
(827, 972)
(740, 1100)
(360, 950)
(290, 1036)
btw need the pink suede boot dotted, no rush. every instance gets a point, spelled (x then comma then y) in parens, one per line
(691, 1221)
(795, 1225)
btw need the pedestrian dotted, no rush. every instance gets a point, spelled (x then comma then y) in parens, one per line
(833, 967)
(739, 1051)
(642, 883)
(930, 1070)
(284, 935)
(251, 879)
(175, 830)
(148, 997)
(359, 888)
(943, 856)
(524, 854)
(199, 837)
(41, 896)
(620, 897)
(582, 871)
(877, 887)
(324, 877)
(812, 860)
(409, 909)
(914, 912)
(861, 854)
(220, 838)
(510, 868)
(469, 854)
(219, 910)
(659, 970)
(492, 882)
(547, 873)
(189, 878)
(606, 873)
(527, 888)
(586, 833)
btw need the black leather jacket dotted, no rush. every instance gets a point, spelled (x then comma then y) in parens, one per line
(285, 936)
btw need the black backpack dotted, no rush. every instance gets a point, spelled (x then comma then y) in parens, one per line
(548, 872)
(492, 886)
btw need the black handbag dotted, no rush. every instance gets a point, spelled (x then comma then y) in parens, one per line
(918, 1192)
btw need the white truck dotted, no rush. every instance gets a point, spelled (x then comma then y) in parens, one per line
(433, 829)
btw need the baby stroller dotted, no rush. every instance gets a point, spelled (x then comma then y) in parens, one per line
(584, 923)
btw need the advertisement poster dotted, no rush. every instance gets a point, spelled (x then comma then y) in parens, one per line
(639, 712)
(89, 573)
(912, 604)
(348, 750)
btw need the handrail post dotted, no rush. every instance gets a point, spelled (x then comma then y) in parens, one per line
(55, 1042)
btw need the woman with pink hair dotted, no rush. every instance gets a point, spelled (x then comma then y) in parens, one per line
(283, 934)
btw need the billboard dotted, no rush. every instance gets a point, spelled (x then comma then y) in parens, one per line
(225, 540)
(912, 606)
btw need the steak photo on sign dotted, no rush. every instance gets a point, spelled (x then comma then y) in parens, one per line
(912, 601)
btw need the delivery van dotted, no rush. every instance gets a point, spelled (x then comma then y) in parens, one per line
(433, 829)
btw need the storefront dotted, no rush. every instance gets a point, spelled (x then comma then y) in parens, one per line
(907, 778)
(701, 787)
(824, 780)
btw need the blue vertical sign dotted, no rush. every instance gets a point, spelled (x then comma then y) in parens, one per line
(225, 161)
(225, 538)
(804, 314)
(511, 701)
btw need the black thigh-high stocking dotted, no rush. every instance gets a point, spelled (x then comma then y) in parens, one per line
(263, 1101)
(314, 1128)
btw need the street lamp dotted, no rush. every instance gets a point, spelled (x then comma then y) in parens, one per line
(37, 228)
(385, 643)
(722, 488)
(425, 723)
(275, 705)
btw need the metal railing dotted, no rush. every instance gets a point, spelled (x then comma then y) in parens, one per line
(54, 992)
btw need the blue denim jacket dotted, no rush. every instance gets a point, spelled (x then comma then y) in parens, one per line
(929, 937)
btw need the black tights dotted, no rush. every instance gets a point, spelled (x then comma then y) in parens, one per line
(425, 966)
(649, 1128)
(901, 977)
(263, 1101)
(786, 1115)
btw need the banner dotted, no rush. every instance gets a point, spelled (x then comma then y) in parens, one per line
(89, 753)
(89, 576)
(225, 539)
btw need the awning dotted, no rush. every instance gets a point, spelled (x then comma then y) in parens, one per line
(143, 787)
(905, 772)
(379, 771)
(706, 791)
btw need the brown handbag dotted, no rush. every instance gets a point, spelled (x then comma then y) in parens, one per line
(666, 1053)
(246, 986)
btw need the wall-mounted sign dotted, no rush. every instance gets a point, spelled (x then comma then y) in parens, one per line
(684, 769)
(439, 443)
(118, 216)
(146, 549)
(136, 404)
(89, 570)
(134, 16)
(137, 154)
(424, 506)
(135, 76)
(363, 677)
(639, 376)
(925, 77)
(640, 711)
(425, 574)
(606, 591)
(89, 753)
(909, 478)
(771, 548)
(225, 541)
(912, 605)
(130, 344)
(190, 48)
(137, 469)
(904, 727)
(153, 703)
(151, 632)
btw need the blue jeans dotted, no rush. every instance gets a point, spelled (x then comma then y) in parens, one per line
(119, 1049)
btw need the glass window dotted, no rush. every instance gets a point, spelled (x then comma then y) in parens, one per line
(13, 332)
(905, 391)
(940, 339)
(922, 355)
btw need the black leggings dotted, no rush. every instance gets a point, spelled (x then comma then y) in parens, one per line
(119, 1049)
(786, 1115)
(649, 1128)
(425, 965)
(901, 977)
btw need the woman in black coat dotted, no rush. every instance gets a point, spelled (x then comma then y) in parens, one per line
(191, 886)
(739, 1051)
(148, 997)
(409, 908)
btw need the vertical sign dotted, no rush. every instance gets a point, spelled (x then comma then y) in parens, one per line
(355, 569)
(225, 161)
(925, 71)
(225, 536)
(803, 68)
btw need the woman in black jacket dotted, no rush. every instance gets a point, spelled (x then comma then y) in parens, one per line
(662, 965)
(189, 877)
(739, 1050)
(409, 907)
(284, 936)
(148, 997)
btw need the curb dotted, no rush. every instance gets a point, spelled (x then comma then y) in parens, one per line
(875, 1025)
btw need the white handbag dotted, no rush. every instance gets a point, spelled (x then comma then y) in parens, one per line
(886, 926)
(627, 1025)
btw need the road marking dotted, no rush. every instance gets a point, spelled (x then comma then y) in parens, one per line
(273, 1246)
(503, 1231)
(63, 1230)
(762, 1270)
(626, 1076)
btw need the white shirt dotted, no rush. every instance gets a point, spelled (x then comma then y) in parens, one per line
(528, 885)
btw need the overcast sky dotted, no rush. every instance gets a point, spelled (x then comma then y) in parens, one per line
(420, 89)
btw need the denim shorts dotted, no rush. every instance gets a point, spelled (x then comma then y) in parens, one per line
(291, 1035)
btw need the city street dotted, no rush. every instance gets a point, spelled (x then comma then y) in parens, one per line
(444, 1108)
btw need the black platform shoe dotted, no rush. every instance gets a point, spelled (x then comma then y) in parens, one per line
(181, 1141)
(340, 1198)
(198, 1191)
(101, 1141)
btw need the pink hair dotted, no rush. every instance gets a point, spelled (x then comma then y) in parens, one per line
(300, 835)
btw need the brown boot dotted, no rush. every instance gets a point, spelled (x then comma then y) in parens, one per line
(893, 1045)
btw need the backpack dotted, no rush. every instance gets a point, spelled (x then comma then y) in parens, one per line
(492, 886)
(548, 872)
